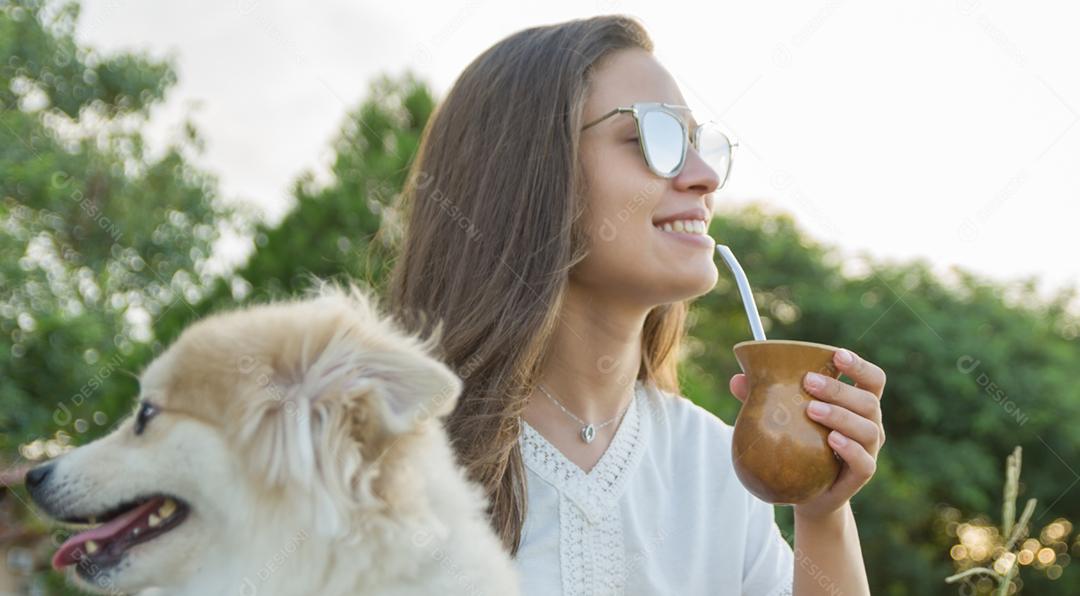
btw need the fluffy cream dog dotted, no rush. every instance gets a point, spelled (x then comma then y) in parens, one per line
(291, 448)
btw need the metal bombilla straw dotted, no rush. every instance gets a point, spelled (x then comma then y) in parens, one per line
(744, 291)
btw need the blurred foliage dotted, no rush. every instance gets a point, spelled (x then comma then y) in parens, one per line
(100, 238)
(105, 260)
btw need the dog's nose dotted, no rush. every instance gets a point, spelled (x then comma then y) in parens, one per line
(36, 476)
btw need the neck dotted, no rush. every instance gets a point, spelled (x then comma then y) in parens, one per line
(593, 360)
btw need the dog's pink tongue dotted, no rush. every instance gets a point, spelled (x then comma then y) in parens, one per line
(72, 550)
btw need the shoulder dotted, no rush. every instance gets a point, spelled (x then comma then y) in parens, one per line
(688, 439)
(675, 415)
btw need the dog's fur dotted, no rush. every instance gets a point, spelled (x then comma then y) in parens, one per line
(305, 437)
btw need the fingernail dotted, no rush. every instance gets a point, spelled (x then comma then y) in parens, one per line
(837, 439)
(814, 380)
(818, 408)
(844, 357)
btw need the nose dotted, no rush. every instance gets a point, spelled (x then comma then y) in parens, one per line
(696, 175)
(36, 476)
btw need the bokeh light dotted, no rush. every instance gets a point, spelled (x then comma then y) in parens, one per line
(979, 543)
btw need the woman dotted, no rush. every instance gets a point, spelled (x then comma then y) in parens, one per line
(538, 231)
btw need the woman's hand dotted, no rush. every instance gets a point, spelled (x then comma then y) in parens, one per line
(854, 414)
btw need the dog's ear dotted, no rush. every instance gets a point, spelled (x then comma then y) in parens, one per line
(305, 428)
(373, 354)
(406, 388)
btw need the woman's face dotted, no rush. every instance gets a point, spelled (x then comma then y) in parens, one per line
(630, 256)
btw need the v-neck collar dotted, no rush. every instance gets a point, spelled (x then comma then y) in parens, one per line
(600, 487)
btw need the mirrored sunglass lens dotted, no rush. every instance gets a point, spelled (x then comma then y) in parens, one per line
(662, 137)
(715, 149)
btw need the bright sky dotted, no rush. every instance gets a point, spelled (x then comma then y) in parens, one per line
(943, 130)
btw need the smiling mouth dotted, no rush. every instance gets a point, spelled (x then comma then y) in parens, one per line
(692, 227)
(114, 531)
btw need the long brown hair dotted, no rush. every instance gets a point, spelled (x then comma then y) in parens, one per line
(493, 207)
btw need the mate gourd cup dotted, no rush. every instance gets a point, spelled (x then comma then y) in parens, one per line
(780, 455)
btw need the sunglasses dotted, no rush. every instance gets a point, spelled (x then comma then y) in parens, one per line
(663, 137)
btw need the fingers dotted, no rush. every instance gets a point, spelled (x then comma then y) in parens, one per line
(835, 391)
(866, 374)
(738, 386)
(853, 413)
(860, 464)
(846, 422)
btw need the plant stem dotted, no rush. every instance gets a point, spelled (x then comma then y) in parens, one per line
(1022, 524)
(967, 572)
(1012, 481)
(1012, 527)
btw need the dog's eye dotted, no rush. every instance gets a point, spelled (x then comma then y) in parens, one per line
(146, 412)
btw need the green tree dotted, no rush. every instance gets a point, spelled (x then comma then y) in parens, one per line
(100, 238)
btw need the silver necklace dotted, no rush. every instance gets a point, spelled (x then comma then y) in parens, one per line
(588, 431)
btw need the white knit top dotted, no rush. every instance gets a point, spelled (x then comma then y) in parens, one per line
(661, 513)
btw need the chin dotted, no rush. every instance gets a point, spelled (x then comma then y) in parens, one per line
(692, 282)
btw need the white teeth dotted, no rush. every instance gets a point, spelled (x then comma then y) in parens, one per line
(91, 547)
(686, 226)
(93, 519)
(155, 521)
(167, 508)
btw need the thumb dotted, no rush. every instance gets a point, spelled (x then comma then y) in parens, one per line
(738, 387)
